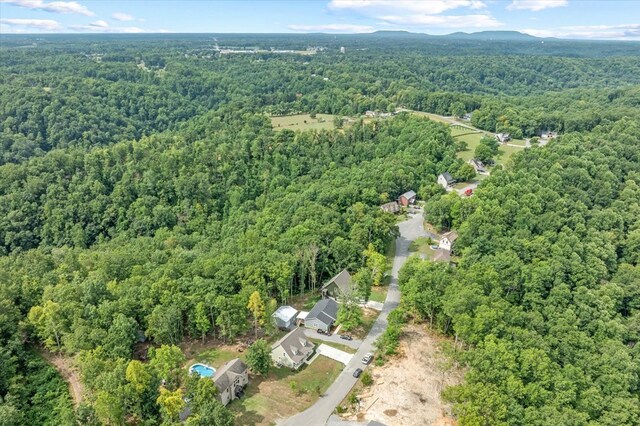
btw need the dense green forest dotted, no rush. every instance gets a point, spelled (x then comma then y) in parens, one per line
(546, 296)
(144, 196)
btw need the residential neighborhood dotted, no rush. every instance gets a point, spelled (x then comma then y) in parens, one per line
(293, 350)
(230, 380)
(323, 315)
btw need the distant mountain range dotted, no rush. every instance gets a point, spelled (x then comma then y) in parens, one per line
(481, 35)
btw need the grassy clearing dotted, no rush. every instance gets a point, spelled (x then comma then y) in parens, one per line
(433, 117)
(304, 301)
(472, 140)
(505, 152)
(273, 397)
(303, 122)
(379, 293)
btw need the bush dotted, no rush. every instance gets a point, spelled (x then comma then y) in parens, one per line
(367, 380)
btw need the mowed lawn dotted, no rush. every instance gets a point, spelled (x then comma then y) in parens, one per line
(303, 122)
(433, 117)
(270, 398)
(473, 139)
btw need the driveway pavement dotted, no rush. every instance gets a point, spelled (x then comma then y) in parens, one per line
(319, 413)
(312, 334)
(335, 354)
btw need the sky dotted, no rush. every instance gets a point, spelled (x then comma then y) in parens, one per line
(575, 19)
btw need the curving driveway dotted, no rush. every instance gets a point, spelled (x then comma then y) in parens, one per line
(319, 413)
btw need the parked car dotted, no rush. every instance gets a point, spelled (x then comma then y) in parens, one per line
(357, 373)
(367, 358)
(346, 337)
(321, 331)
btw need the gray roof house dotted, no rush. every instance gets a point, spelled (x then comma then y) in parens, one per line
(447, 240)
(391, 207)
(339, 286)
(285, 317)
(477, 166)
(407, 198)
(230, 379)
(446, 180)
(292, 350)
(323, 315)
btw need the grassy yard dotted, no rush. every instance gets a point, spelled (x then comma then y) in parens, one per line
(421, 245)
(273, 397)
(505, 153)
(303, 122)
(379, 293)
(344, 348)
(472, 140)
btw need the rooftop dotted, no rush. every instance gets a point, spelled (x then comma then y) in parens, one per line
(285, 313)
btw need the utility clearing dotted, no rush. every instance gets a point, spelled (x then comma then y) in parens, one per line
(409, 386)
(64, 366)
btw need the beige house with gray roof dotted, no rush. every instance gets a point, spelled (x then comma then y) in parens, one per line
(230, 379)
(292, 350)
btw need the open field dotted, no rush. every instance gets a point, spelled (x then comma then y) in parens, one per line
(433, 117)
(505, 152)
(409, 386)
(273, 397)
(303, 122)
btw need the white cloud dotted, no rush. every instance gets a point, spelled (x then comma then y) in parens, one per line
(101, 26)
(591, 32)
(430, 7)
(536, 5)
(121, 16)
(332, 28)
(420, 13)
(21, 25)
(54, 7)
(445, 21)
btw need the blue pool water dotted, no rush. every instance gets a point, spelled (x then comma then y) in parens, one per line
(202, 370)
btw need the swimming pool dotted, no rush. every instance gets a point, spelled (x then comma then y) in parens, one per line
(202, 370)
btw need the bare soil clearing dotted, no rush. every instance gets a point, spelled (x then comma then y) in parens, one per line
(407, 389)
(66, 369)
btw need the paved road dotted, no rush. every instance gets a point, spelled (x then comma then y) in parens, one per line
(319, 413)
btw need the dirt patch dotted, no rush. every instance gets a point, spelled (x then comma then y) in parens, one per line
(66, 368)
(408, 387)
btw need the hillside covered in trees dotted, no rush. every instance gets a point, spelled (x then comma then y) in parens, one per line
(144, 196)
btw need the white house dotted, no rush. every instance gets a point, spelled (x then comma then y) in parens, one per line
(447, 240)
(503, 137)
(445, 180)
